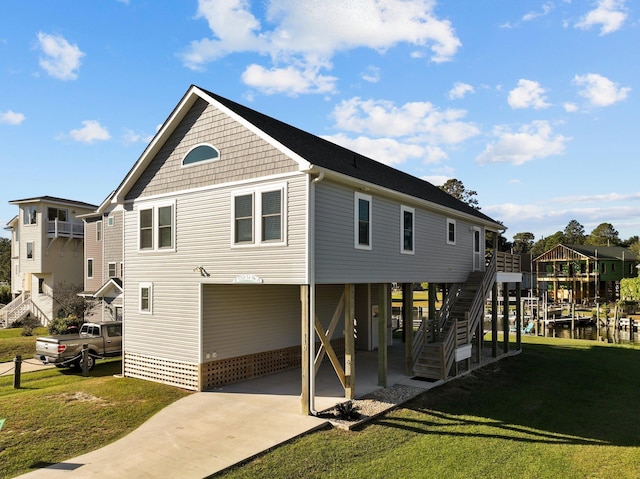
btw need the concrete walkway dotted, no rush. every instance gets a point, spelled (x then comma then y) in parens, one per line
(194, 437)
(206, 432)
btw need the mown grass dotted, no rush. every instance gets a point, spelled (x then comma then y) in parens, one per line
(562, 408)
(13, 343)
(58, 414)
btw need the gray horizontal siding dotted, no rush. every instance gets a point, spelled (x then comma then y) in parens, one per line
(246, 319)
(338, 261)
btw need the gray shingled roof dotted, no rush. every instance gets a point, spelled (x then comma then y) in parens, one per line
(330, 156)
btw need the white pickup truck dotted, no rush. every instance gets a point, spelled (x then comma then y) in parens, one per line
(102, 340)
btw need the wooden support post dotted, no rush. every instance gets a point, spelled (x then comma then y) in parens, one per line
(519, 317)
(433, 289)
(505, 317)
(480, 338)
(305, 402)
(494, 320)
(407, 326)
(85, 360)
(383, 312)
(349, 342)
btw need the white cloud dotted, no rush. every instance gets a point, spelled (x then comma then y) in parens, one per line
(570, 107)
(371, 74)
(546, 8)
(61, 60)
(11, 118)
(289, 80)
(599, 90)
(437, 180)
(532, 141)
(130, 137)
(91, 131)
(416, 120)
(528, 94)
(387, 150)
(610, 15)
(307, 33)
(459, 90)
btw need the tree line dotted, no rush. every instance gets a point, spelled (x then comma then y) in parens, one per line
(573, 234)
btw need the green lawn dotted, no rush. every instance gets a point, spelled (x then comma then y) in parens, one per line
(58, 414)
(562, 409)
(12, 343)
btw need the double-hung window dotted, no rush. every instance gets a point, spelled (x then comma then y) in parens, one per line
(156, 227)
(362, 221)
(451, 231)
(407, 230)
(113, 270)
(259, 216)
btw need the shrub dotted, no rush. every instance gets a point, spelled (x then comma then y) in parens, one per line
(347, 411)
(69, 324)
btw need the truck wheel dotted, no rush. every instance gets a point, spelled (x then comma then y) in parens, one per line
(91, 362)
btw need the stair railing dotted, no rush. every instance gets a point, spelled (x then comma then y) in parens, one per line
(5, 312)
(477, 306)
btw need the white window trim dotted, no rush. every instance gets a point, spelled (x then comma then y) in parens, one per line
(404, 209)
(115, 269)
(111, 221)
(203, 162)
(148, 286)
(455, 231)
(156, 237)
(33, 250)
(93, 265)
(356, 221)
(257, 216)
(99, 231)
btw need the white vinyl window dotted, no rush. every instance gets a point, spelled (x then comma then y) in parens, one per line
(98, 230)
(146, 298)
(451, 231)
(156, 227)
(30, 249)
(407, 230)
(362, 221)
(89, 268)
(259, 217)
(29, 215)
(113, 270)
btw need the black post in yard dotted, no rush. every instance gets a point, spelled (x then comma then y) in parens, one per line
(85, 358)
(17, 367)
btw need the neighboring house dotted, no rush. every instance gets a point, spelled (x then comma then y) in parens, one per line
(584, 273)
(47, 240)
(251, 247)
(103, 263)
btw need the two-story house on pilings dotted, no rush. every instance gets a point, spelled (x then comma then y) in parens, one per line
(47, 241)
(251, 246)
(584, 273)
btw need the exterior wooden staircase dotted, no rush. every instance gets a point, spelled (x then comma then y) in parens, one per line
(16, 310)
(436, 341)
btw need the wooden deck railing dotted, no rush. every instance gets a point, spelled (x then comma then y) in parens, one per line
(507, 262)
(66, 229)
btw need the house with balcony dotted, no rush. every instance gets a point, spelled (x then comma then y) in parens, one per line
(252, 247)
(47, 246)
(584, 273)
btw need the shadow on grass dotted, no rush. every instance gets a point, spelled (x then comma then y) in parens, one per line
(108, 367)
(550, 393)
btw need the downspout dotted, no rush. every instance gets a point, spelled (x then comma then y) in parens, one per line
(311, 238)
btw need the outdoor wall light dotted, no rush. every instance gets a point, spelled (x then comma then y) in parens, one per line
(201, 270)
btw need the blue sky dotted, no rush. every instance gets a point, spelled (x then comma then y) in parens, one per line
(533, 104)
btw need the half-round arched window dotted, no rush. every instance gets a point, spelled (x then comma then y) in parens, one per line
(200, 154)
